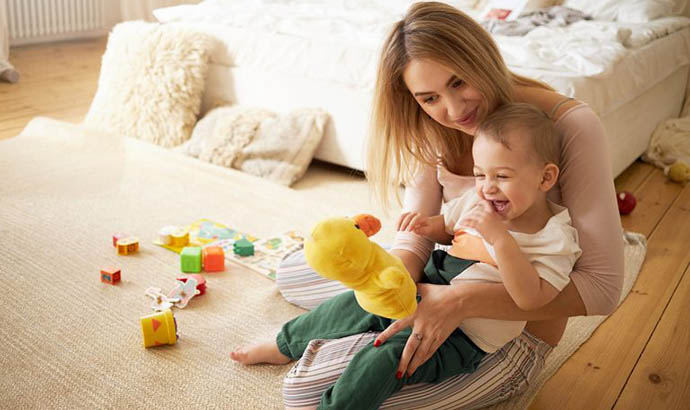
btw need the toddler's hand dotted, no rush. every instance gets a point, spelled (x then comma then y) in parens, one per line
(484, 220)
(414, 222)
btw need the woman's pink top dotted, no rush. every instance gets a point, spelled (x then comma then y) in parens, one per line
(585, 187)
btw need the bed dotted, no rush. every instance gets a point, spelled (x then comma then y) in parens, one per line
(286, 54)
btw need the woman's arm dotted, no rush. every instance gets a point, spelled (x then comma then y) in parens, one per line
(519, 276)
(587, 190)
(492, 301)
(424, 196)
(521, 279)
(412, 262)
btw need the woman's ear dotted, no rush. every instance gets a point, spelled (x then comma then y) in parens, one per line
(549, 176)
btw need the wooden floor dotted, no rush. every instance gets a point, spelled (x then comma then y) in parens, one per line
(639, 358)
(57, 80)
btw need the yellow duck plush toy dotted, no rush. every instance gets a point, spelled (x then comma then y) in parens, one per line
(340, 249)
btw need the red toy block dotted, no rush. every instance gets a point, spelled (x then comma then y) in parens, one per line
(200, 282)
(110, 275)
(117, 237)
(213, 259)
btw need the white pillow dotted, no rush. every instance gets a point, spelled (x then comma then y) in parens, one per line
(401, 6)
(642, 11)
(258, 141)
(151, 82)
(530, 6)
(632, 11)
(533, 5)
(598, 9)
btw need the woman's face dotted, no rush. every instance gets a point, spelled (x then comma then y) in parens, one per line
(445, 97)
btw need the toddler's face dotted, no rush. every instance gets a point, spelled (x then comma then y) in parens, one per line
(508, 178)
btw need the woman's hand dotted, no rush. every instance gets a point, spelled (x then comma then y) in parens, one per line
(437, 316)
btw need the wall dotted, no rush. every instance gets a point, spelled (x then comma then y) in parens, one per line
(142, 9)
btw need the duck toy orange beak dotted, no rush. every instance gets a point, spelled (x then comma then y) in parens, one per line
(369, 224)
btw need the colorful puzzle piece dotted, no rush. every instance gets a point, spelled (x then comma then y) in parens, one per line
(160, 301)
(184, 292)
(200, 282)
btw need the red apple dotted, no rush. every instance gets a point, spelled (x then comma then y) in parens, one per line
(626, 202)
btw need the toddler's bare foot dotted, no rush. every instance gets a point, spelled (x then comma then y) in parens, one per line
(266, 352)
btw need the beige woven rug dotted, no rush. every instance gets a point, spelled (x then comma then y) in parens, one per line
(70, 341)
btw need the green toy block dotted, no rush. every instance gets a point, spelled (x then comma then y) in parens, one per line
(190, 259)
(243, 247)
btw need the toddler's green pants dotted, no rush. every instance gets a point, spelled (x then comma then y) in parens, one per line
(370, 377)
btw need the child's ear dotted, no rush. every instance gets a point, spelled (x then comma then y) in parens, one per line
(549, 176)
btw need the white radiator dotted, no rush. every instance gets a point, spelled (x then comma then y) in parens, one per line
(36, 21)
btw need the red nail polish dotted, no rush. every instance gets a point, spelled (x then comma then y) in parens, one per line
(398, 375)
(377, 343)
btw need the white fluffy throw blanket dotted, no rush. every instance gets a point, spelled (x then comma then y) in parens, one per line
(258, 141)
(151, 82)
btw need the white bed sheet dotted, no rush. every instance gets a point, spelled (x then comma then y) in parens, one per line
(605, 64)
(639, 70)
(619, 69)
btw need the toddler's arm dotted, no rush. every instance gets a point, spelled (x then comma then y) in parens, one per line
(520, 278)
(430, 227)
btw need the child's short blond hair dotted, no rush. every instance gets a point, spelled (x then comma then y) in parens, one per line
(544, 138)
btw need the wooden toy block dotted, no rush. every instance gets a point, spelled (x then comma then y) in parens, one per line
(117, 237)
(200, 282)
(110, 275)
(190, 259)
(165, 235)
(180, 237)
(243, 247)
(213, 259)
(128, 245)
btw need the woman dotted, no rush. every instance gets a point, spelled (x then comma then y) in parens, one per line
(439, 75)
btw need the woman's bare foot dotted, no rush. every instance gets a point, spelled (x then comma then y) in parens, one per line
(266, 352)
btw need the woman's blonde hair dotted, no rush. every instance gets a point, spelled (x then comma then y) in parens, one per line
(402, 136)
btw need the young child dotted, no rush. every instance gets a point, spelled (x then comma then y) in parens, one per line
(504, 231)
(507, 225)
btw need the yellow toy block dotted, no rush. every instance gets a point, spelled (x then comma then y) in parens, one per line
(165, 234)
(127, 245)
(180, 237)
(159, 329)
